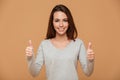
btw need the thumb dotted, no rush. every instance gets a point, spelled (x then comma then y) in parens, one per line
(30, 43)
(89, 45)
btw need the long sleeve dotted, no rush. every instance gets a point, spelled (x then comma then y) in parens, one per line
(35, 65)
(87, 66)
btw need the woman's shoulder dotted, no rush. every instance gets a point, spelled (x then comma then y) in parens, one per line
(78, 40)
(44, 41)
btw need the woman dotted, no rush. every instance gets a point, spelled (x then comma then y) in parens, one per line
(61, 49)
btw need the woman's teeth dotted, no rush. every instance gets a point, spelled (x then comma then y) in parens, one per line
(61, 29)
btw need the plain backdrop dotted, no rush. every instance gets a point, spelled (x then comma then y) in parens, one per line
(97, 21)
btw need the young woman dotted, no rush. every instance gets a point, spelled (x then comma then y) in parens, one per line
(61, 49)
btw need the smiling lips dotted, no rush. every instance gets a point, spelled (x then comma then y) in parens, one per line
(61, 29)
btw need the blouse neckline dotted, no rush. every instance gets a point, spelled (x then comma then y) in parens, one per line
(60, 48)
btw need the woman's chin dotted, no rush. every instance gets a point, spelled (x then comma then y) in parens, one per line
(61, 33)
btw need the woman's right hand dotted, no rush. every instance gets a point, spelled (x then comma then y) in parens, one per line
(29, 49)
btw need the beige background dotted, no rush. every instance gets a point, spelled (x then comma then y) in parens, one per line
(97, 21)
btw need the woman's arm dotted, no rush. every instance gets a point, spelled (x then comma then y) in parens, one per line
(34, 64)
(86, 60)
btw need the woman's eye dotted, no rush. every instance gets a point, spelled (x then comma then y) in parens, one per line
(65, 20)
(57, 20)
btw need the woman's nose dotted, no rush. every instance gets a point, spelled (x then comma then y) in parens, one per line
(61, 24)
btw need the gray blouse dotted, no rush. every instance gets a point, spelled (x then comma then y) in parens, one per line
(61, 64)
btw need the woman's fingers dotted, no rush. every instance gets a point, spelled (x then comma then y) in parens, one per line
(89, 45)
(29, 49)
(90, 53)
(30, 43)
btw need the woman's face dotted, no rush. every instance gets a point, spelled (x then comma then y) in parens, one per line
(60, 23)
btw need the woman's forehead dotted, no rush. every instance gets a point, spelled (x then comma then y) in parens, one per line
(59, 14)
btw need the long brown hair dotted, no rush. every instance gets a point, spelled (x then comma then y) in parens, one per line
(71, 32)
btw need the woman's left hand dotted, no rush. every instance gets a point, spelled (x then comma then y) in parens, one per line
(90, 53)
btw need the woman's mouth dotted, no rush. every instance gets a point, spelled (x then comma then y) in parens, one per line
(61, 29)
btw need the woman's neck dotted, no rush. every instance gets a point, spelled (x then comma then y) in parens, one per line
(61, 38)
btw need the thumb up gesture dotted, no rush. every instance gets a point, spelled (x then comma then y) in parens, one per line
(90, 53)
(29, 49)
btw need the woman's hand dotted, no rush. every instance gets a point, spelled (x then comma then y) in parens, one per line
(29, 49)
(90, 53)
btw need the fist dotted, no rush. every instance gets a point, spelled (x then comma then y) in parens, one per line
(29, 49)
(90, 53)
